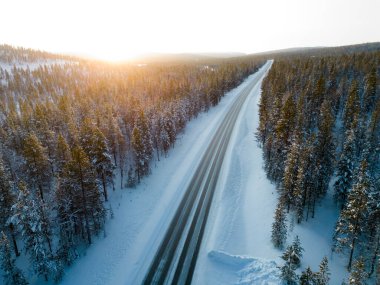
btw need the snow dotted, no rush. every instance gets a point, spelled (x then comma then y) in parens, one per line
(244, 270)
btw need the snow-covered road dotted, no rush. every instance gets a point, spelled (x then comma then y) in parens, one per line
(176, 258)
(142, 215)
(236, 247)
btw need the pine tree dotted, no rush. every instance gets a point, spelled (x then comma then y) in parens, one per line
(62, 155)
(290, 174)
(352, 107)
(138, 148)
(37, 163)
(142, 145)
(78, 184)
(308, 277)
(279, 227)
(131, 182)
(101, 159)
(296, 253)
(288, 273)
(354, 216)
(323, 275)
(304, 192)
(7, 200)
(30, 214)
(11, 274)
(345, 169)
(324, 149)
(358, 274)
(370, 90)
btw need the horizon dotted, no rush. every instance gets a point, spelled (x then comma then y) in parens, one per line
(124, 30)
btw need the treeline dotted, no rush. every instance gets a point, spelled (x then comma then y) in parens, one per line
(320, 130)
(67, 130)
(13, 55)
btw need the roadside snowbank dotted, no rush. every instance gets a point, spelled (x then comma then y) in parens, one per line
(245, 270)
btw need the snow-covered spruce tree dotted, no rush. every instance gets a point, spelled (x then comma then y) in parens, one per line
(296, 253)
(30, 215)
(323, 275)
(370, 92)
(131, 180)
(37, 163)
(324, 150)
(96, 147)
(69, 222)
(290, 173)
(345, 169)
(288, 270)
(11, 274)
(304, 194)
(279, 227)
(79, 184)
(373, 226)
(167, 132)
(302, 185)
(358, 274)
(352, 107)
(283, 135)
(102, 161)
(6, 202)
(62, 155)
(308, 277)
(352, 219)
(142, 145)
(317, 97)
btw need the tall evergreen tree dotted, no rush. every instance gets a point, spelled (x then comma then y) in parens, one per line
(358, 275)
(62, 155)
(296, 253)
(37, 163)
(323, 275)
(279, 227)
(288, 273)
(353, 217)
(370, 90)
(324, 148)
(30, 214)
(290, 174)
(78, 182)
(11, 274)
(102, 161)
(352, 107)
(308, 277)
(345, 169)
(7, 200)
(142, 145)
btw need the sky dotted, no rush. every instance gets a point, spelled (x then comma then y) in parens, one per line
(121, 29)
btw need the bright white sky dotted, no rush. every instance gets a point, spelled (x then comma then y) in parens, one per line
(120, 29)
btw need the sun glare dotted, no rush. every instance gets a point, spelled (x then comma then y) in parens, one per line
(122, 29)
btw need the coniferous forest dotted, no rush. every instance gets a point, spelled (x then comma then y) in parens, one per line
(67, 128)
(72, 130)
(320, 133)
